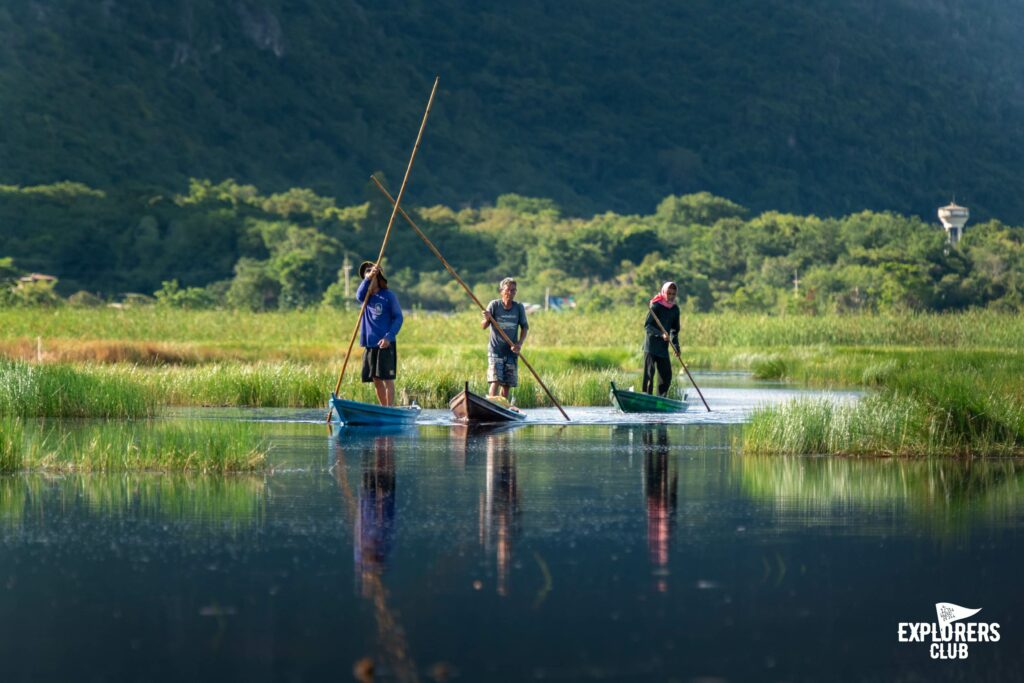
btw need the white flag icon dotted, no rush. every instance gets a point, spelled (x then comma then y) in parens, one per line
(948, 612)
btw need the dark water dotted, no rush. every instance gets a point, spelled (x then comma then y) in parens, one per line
(544, 552)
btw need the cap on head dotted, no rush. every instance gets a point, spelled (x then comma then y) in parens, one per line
(366, 265)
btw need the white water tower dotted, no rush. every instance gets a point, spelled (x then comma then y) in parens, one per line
(954, 218)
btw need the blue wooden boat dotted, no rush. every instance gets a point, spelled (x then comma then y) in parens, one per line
(359, 413)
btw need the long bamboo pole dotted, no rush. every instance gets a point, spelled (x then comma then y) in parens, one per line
(665, 332)
(387, 235)
(472, 296)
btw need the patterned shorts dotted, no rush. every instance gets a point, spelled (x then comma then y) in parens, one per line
(503, 370)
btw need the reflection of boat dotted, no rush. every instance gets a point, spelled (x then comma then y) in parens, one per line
(467, 437)
(482, 428)
(359, 413)
(355, 432)
(636, 402)
(470, 407)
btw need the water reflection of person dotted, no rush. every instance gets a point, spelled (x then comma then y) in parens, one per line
(375, 522)
(499, 509)
(372, 514)
(660, 488)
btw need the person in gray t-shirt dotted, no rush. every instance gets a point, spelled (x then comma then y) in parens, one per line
(503, 359)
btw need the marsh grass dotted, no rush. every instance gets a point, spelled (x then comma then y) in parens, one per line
(64, 391)
(945, 384)
(12, 438)
(317, 334)
(203, 447)
(959, 423)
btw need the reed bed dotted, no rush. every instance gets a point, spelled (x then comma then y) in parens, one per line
(943, 384)
(312, 333)
(132, 447)
(65, 391)
(890, 424)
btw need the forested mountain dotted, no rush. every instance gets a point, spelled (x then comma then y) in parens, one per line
(823, 108)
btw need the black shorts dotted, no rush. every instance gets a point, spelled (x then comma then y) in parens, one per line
(380, 363)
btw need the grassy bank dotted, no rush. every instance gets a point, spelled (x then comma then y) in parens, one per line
(203, 447)
(962, 404)
(60, 390)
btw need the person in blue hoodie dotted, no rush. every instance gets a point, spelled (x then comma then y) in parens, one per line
(381, 323)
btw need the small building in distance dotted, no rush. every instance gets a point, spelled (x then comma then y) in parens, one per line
(954, 218)
(33, 278)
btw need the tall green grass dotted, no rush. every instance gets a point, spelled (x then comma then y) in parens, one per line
(65, 391)
(959, 424)
(12, 439)
(205, 447)
(946, 384)
(307, 334)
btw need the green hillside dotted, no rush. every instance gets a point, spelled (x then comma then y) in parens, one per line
(812, 108)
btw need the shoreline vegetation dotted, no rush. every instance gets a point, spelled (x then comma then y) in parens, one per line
(942, 385)
(131, 446)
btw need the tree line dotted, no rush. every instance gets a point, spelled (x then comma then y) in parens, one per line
(230, 245)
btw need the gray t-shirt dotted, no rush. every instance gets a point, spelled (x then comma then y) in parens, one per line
(511, 320)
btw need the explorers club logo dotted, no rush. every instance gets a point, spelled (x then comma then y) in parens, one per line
(950, 637)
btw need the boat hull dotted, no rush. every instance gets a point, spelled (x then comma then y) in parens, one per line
(358, 413)
(469, 407)
(636, 402)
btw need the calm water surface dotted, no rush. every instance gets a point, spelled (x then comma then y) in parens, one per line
(601, 551)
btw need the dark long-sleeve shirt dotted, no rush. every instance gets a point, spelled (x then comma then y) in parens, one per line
(669, 317)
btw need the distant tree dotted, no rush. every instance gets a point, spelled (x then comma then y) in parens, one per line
(8, 272)
(172, 295)
(253, 288)
(83, 299)
(520, 204)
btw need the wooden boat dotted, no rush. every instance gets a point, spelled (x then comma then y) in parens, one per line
(637, 402)
(358, 413)
(470, 407)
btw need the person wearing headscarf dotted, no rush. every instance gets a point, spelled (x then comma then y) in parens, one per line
(656, 358)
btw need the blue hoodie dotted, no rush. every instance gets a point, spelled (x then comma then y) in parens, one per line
(383, 318)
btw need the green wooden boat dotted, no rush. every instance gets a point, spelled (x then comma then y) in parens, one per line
(637, 402)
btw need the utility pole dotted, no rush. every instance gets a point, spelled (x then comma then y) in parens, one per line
(796, 284)
(347, 267)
